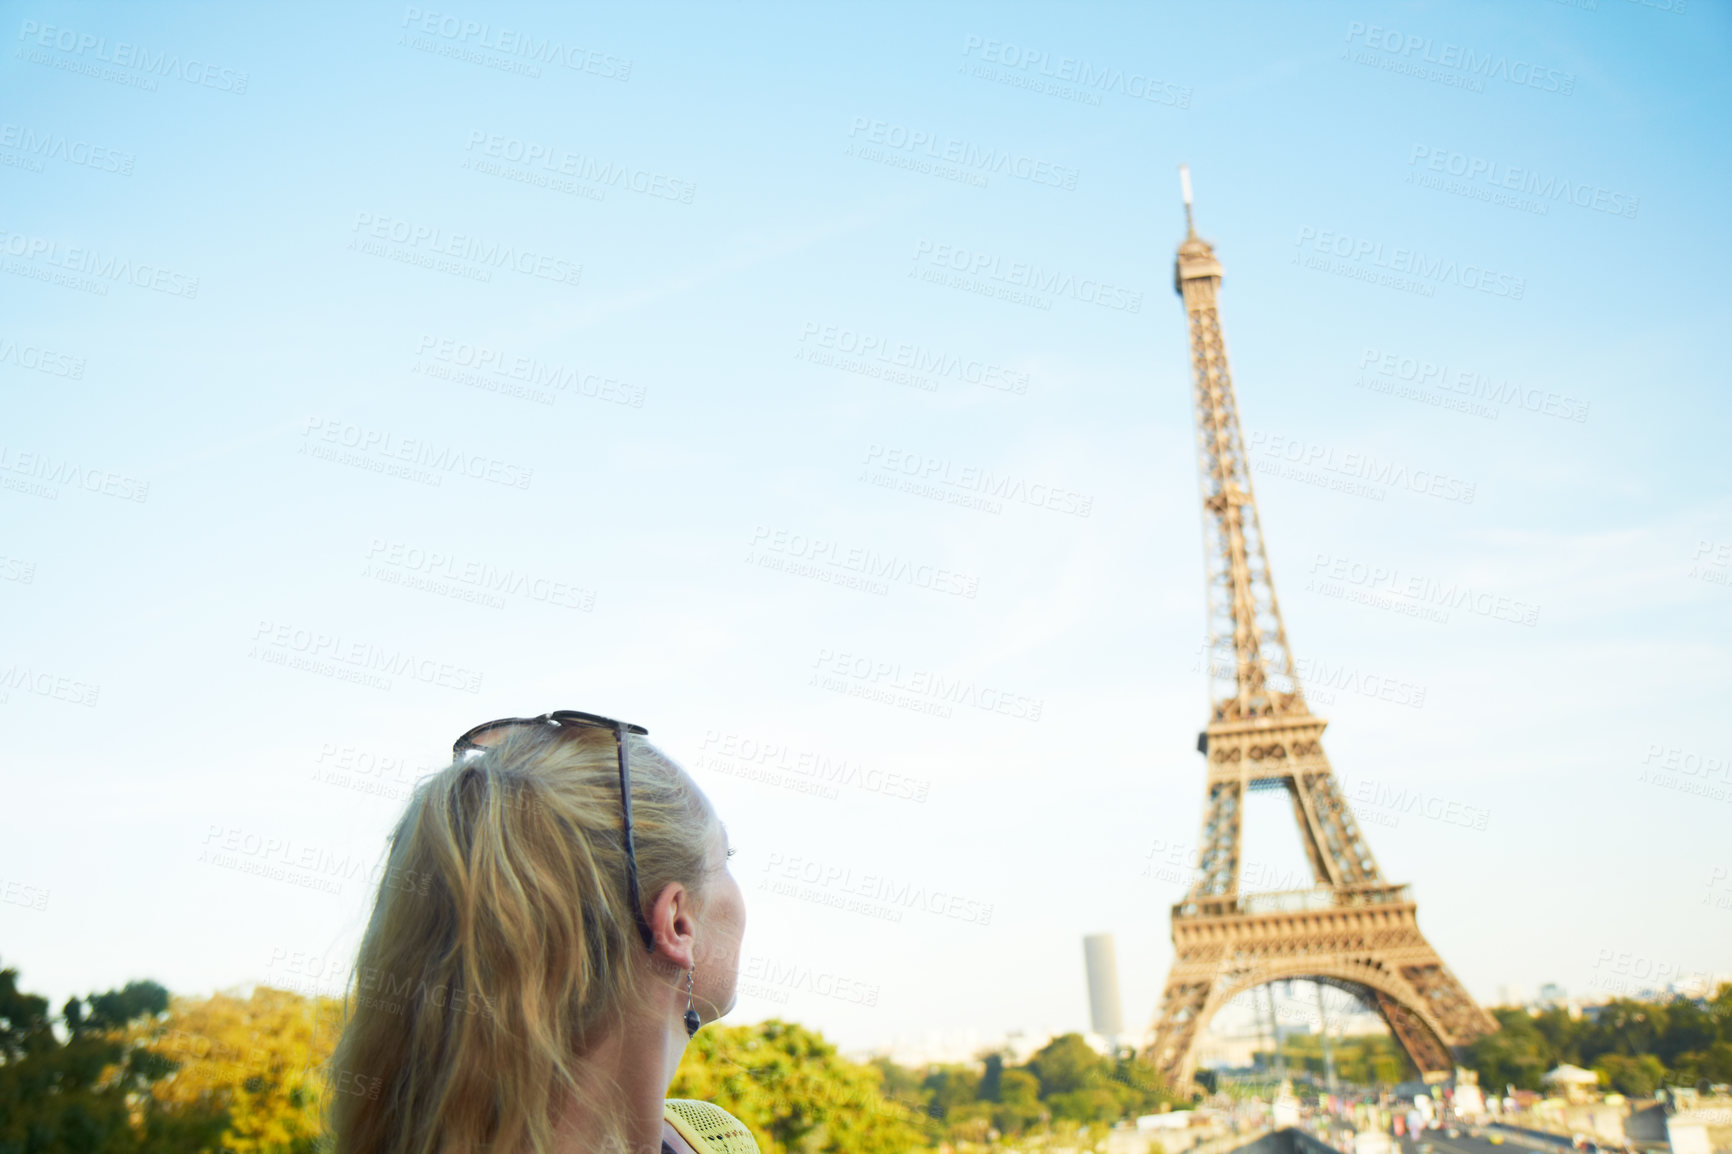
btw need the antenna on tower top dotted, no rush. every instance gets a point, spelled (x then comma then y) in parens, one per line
(1185, 187)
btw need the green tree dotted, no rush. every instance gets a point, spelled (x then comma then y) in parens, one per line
(1635, 1046)
(1143, 1089)
(900, 1084)
(795, 1093)
(1638, 1077)
(1687, 1027)
(1079, 1085)
(1067, 1064)
(992, 1068)
(1713, 1064)
(953, 1094)
(1018, 1108)
(1516, 1054)
(260, 1057)
(1563, 1036)
(1622, 1027)
(1387, 1064)
(1094, 1104)
(1375, 1060)
(89, 1093)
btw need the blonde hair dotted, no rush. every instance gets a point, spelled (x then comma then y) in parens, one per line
(499, 942)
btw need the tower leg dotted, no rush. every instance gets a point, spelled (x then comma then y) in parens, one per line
(1182, 1006)
(1422, 1046)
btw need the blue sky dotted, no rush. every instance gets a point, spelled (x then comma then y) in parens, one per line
(591, 376)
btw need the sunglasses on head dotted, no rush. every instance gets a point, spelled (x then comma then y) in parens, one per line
(568, 719)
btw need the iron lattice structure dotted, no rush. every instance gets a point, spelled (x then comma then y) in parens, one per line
(1353, 930)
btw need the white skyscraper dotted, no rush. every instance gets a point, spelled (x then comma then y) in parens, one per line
(1105, 1017)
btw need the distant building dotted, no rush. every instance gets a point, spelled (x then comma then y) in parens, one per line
(1573, 1081)
(1104, 1046)
(1105, 1016)
(957, 1047)
(1218, 1052)
(1018, 1046)
(960, 1047)
(1238, 1051)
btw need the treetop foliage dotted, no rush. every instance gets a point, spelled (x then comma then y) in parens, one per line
(134, 1071)
(1635, 1047)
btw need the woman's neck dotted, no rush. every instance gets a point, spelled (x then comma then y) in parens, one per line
(623, 1080)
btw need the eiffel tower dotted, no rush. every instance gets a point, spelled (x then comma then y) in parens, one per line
(1353, 930)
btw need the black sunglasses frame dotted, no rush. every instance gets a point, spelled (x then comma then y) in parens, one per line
(562, 718)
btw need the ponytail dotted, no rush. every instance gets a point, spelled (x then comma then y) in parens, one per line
(499, 944)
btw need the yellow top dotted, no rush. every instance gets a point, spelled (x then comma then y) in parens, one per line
(708, 1129)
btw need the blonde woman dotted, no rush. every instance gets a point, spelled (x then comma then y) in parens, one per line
(555, 920)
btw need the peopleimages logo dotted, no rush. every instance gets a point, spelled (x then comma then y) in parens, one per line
(1690, 762)
(730, 752)
(1278, 447)
(920, 359)
(90, 262)
(871, 567)
(460, 32)
(1472, 384)
(346, 443)
(16, 893)
(523, 368)
(58, 146)
(17, 569)
(53, 472)
(437, 567)
(932, 146)
(433, 242)
(795, 976)
(121, 54)
(972, 479)
(558, 161)
(1407, 262)
(1497, 176)
(279, 643)
(1320, 679)
(880, 889)
(1410, 53)
(1089, 78)
(44, 684)
(41, 359)
(1370, 794)
(860, 676)
(1413, 593)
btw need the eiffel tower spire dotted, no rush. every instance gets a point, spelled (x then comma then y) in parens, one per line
(1353, 929)
(1249, 661)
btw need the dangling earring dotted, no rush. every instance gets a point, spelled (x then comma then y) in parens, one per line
(692, 1022)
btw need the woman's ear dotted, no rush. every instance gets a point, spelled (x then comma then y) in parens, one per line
(673, 924)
